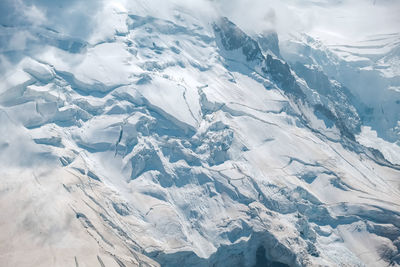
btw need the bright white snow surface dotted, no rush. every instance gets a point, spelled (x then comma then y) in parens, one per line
(135, 136)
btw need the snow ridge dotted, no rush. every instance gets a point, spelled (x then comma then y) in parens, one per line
(174, 143)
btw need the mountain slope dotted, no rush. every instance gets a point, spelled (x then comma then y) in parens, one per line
(178, 142)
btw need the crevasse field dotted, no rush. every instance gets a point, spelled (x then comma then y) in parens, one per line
(199, 133)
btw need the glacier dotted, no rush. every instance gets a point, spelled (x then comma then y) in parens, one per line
(171, 136)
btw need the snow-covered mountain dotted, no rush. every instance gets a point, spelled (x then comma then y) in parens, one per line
(170, 136)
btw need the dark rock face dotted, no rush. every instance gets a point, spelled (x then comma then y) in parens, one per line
(269, 43)
(342, 109)
(329, 118)
(233, 38)
(315, 78)
(336, 107)
(281, 73)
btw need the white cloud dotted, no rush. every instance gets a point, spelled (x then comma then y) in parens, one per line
(71, 17)
(346, 18)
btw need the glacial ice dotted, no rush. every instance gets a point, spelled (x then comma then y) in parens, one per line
(175, 142)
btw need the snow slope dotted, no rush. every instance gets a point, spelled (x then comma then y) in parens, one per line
(170, 139)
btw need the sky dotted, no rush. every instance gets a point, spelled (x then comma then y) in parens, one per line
(341, 17)
(329, 19)
(339, 21)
